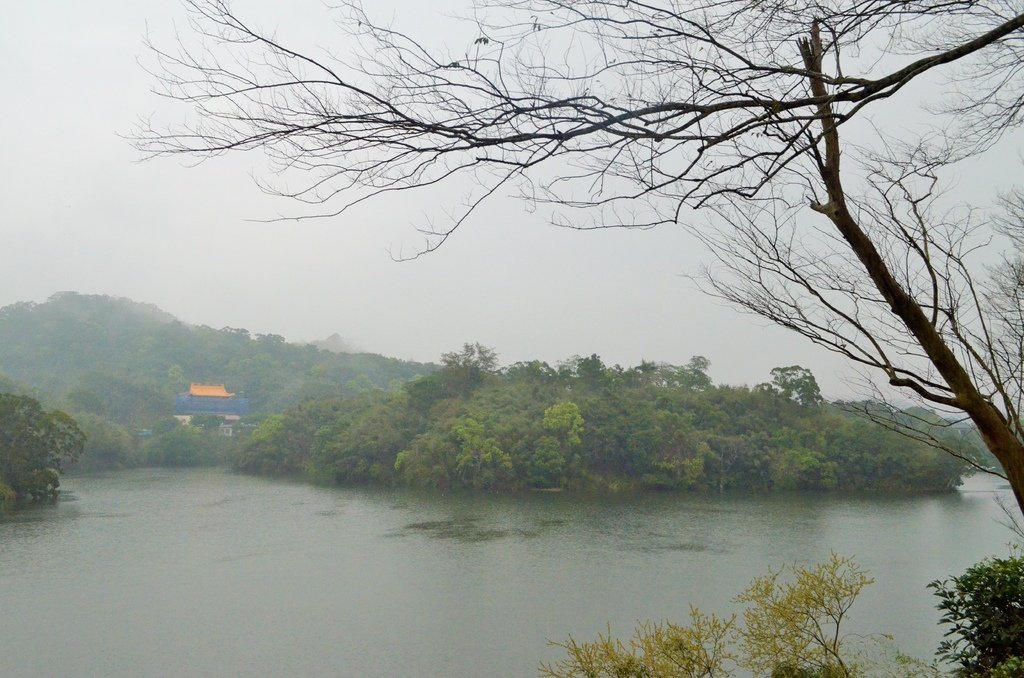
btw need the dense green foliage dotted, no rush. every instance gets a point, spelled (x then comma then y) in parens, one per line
(984, 608)
(107, 445)
(585, 425)
(125, 361)
(34, 446)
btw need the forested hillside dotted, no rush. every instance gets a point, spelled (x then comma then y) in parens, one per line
(116, 365)
(583, 425)
(127, 360)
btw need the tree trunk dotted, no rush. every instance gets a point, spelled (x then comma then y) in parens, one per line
(992, 425)
(1010, 453)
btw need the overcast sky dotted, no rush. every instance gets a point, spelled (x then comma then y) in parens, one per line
(80, 212)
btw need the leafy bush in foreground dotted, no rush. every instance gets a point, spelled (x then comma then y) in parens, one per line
(985, 609)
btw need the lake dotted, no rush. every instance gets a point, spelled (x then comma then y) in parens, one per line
(209, 573)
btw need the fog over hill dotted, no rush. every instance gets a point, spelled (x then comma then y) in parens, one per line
(336, 344)
(126, 360)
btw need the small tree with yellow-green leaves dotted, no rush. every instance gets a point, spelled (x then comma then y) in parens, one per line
(700, 649)
(798, 622)
(793, 626)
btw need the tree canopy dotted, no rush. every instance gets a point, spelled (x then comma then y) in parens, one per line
(34, 447)
(584, 425)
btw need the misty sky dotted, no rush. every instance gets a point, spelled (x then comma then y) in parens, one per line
(80, 212)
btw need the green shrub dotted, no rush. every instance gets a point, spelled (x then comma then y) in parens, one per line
(1011, 668)
(7, 495)
(985, 610)
(792, 671)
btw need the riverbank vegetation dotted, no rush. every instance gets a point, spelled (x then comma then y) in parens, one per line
(584, 425)
(34, 447)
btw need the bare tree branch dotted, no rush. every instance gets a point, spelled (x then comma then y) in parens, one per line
(635, 113)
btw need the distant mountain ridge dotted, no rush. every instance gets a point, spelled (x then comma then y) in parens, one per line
(125, 360)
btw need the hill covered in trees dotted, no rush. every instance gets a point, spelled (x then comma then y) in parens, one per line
(127, 360)
(584, 425)
(116, 365)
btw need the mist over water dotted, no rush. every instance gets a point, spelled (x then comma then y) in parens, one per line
(207, 573)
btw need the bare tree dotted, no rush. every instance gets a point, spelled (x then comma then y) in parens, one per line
(634, 113)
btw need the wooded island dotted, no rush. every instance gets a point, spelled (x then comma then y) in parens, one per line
(341, 418)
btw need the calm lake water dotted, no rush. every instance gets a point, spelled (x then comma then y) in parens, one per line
(207, 573)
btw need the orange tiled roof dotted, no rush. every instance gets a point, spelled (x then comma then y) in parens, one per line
(209, 390)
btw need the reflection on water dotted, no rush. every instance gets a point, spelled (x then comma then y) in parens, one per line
(467, 529)
(206, 573)
(682, 546)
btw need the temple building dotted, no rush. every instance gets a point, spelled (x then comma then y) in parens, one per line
(210, 399)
